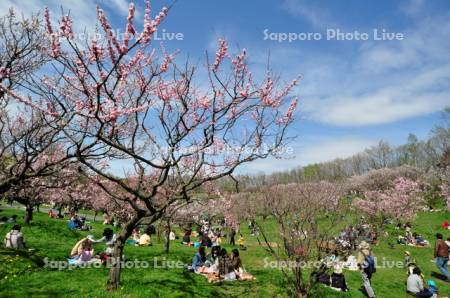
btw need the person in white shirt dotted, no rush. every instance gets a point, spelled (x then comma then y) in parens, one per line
(110, 239)
(414, 285)
(14, 239)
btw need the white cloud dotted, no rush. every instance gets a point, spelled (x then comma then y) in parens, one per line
(412, 7)
(418, 95)
(316, 16)
(380, 82)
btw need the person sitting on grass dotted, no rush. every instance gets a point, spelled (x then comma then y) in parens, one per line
(239, 270)
(74, 222)
(236, 260)
(414, 285)
(187, 237)
(338, 280)
(226, 268)
(146, 238)
(78, 247)
(109, 238)
(87, 252)
(199, 259)
(14, 238)
(419, 240)
(12, 219)
(205, 240)
(432, 287)
(136, 235)
(211, 258)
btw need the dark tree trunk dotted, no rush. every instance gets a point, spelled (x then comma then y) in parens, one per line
(28, 214)
(95, 215)
(117, 258)
(167, 247)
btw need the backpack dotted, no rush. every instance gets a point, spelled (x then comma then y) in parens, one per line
(369, 265)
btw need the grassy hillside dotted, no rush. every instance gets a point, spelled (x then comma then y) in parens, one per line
(22, 274)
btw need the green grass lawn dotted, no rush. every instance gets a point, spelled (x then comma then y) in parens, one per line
(22, 274)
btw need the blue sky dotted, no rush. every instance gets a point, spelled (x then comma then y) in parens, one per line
(352, 93)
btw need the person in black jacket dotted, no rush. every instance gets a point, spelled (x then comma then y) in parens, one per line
(338, 280)
(232, 235)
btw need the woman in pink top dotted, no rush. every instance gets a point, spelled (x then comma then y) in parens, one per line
(87, 252)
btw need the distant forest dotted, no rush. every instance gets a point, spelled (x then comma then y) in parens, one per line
(423, 154)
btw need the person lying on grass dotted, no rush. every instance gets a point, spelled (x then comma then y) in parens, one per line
(14, 238)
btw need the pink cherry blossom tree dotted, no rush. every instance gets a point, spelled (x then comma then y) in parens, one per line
(308, 216)
(28, 147)
(401, 201)
(129, 101)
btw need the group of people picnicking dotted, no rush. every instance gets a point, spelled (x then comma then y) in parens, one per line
(411, 238)
(208, 236)
(219, 265)
(361, 239)
(83, 251)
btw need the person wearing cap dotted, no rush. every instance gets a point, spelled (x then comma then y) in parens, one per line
(409, 262)
(414, 285)
(366, 264)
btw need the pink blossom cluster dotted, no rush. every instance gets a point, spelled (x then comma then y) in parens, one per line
(54, 36)
(289, 115)
(130, 31)
(150, 26)
(220, 54)
(400, 202)
(66, 27)
(4, 72)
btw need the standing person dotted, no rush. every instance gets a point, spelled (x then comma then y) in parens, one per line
(441, 255)
(232, 235)
(14, 239)
(366, 264)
